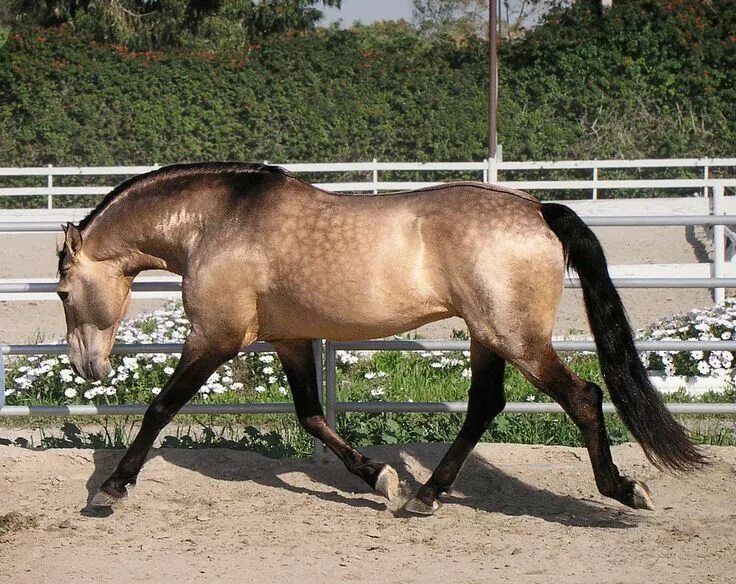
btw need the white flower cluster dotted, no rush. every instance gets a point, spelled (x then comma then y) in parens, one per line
(40, 370)
(347, 358)
(448, 361)
(712, 324)
(40, 378)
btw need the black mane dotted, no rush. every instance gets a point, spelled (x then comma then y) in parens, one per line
(178, 170)
(174, 171)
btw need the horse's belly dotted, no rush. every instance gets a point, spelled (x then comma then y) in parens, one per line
(282, 317)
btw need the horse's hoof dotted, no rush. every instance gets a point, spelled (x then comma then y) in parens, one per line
(108, 498)
(641, 496)
(387, 483)
(418, 507)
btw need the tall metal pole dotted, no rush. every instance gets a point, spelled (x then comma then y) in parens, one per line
(492, 76)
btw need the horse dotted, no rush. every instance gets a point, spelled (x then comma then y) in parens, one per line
(266, 256)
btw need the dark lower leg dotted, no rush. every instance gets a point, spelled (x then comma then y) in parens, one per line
(586, 410)
(485, 401)
(353, 459)
(583, 402)
(297, 359)
(186, 380)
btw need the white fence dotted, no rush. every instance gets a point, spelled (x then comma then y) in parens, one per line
(493, 171)
(709, 206)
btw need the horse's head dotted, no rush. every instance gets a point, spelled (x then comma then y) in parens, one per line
(95, 294)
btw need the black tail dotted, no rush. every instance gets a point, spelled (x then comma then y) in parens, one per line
(664, 441)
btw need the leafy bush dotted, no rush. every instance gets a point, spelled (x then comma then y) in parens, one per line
(330, 95)
(641, 80)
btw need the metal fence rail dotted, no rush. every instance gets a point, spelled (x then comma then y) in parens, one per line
(54, 226)
(27, 290)
(44, 288)
(326, 357)
(340, 407)
(326, 352)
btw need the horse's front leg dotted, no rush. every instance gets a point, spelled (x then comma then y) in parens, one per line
(197, 363)
(297, 358)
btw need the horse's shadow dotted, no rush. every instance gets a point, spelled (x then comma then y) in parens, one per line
(480, 486)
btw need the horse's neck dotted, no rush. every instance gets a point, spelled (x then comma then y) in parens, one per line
(150, 241)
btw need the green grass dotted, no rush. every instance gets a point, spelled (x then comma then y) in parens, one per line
(385, 376)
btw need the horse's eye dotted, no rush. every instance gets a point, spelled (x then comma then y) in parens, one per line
(63, 294)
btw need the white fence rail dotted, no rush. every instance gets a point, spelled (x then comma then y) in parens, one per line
(719, 275)
(495, 171)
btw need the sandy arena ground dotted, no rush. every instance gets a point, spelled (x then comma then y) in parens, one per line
(518, 514)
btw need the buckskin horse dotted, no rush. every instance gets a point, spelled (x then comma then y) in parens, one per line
(266, 256)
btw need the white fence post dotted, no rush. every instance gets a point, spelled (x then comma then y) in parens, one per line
(492, 176)
(719, 244)
(375, 176)
(330, 384)
(706, 176)
(50, 185)
(595, 181)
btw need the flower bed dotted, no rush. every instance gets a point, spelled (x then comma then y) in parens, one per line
(370, 376)
(259, 377)
(36, 379)
(695, 372)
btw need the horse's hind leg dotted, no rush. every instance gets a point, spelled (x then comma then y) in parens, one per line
(485, 400)
(582, 400)
(194, 367)
(297, 358)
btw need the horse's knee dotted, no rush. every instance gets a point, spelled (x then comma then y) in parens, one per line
(479, 418)
(496, 404)
(595, 393)
(159, 413)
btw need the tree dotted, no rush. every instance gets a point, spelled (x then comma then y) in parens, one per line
(161, 24)
(456, 18)
(464, 18)
(517, 16)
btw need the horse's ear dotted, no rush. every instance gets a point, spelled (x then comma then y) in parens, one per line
(72, 239)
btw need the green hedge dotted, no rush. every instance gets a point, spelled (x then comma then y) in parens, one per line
(647, 79)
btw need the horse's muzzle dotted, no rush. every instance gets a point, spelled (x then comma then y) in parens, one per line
(93, 370)
(98, 370)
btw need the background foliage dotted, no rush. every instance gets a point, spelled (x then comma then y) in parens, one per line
(647, 78)
(159, 24)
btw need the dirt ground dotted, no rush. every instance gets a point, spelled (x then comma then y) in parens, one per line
(518, 514)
